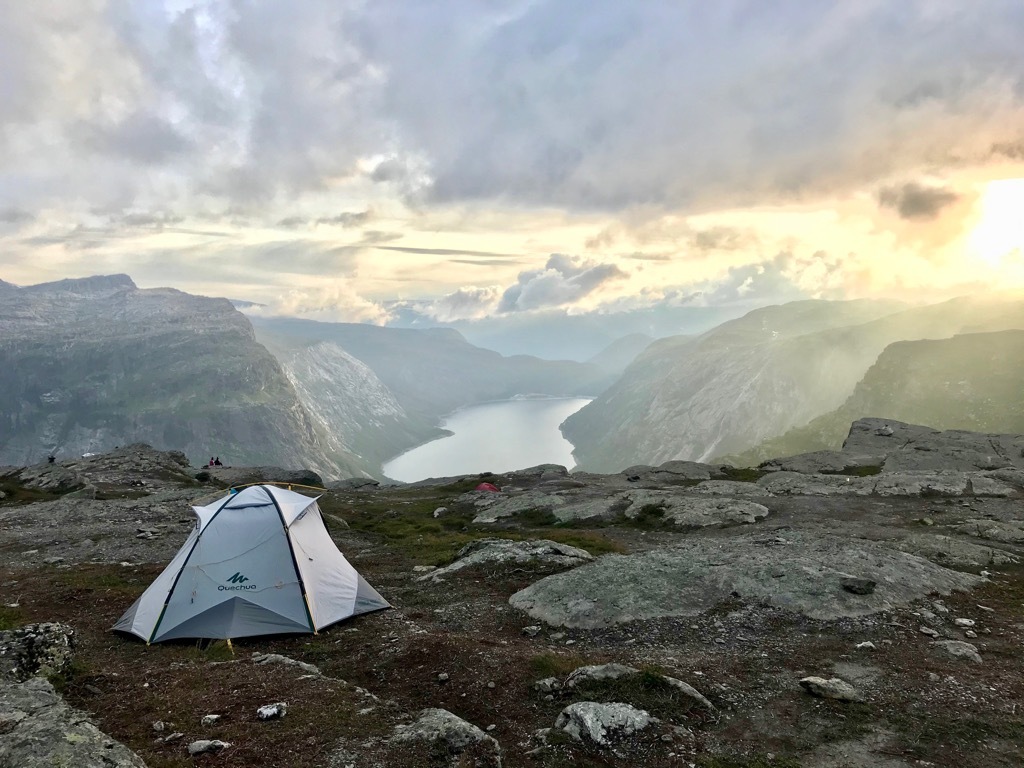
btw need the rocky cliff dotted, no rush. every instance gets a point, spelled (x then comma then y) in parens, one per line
(89, 364)
(971, 382)
(755, 378)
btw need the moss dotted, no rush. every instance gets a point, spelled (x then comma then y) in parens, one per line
(740, 474)
(648, 690)
(558, 665)
(11, 618)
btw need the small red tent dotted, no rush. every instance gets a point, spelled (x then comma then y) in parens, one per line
(488, 487)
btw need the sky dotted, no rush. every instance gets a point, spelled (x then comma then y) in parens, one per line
(490, 158)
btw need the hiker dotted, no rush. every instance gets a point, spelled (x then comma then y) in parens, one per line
(211, 461)
(216, 462)
(51, 459)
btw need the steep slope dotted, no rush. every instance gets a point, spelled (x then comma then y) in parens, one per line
(434, 371)
(970, 382)
(617, 356)
(89, 364)
(757, 377)
(358, 413)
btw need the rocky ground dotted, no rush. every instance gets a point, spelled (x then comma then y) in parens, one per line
(854, 608)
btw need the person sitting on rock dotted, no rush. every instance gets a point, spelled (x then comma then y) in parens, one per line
(211, 461)
(216, 462)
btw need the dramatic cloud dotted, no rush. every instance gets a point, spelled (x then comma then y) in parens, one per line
(465, 304)
(915, 201)
(563, 281)
(335, 301)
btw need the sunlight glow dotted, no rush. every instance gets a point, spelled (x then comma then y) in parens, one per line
(1000, 231)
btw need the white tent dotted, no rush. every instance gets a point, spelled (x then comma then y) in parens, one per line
(258, 562)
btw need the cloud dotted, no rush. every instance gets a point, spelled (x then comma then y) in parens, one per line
(447, 252)
(916, 201)
(14, 215)
(348, 218)
(335, 301)
(563, 281)
(465, 304)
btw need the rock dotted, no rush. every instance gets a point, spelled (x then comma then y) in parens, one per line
(36, 649)
(505, 551)
(959, 650)
(547, 685)
(867, 645)
(159, 726)
(210, 719)
(949, 551)
(1008, 532)
(237, 476)
(971, 634)
(928, 631)
(857, 586)
(498, 507)
(207, 746)
(276, 658)
(531, 631)
(686, 511)
(598, 672)
(964, 622)
(590, 721)
(440, 511)
(273, 711)
(39, 730)
(694, 576)
(443, 677)
(832, 688)
(455, 737)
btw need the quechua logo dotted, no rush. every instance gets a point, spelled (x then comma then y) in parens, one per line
(238, 581)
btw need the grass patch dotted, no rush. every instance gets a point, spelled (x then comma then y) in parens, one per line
(649, 516)
(10, 618)
(647, 690)
(16, 494)
(550, 664)
(102, 578)
(595, 543)
(746, 761)
(740, 474)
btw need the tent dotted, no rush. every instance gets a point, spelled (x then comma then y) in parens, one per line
(258, 562)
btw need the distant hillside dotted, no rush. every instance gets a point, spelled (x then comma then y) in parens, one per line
(86, 365)
(971, 382)
(434, 371)
(757, 377)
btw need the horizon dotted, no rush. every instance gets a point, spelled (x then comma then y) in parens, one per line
(553, 158)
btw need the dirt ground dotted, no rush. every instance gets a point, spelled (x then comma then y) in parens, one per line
(380, 670)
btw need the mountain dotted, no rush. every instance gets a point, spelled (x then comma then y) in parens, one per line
(757, 377)
(969, 382)
(358, 412)
(432, 372)
(558, 335)
(617, 356)
(89, 364)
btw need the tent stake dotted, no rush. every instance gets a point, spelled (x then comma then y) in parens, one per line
(231, 647)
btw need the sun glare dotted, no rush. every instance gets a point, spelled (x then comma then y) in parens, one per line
(1000, 231)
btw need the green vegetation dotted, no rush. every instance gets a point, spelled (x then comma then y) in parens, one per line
(10, 618)
(746, 761)
(556, 665)
(740, 474)
(867, 471)
(648, 690)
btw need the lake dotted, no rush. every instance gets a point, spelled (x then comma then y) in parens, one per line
(493, 437)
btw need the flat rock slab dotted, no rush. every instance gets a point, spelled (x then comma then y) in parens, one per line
(39, 730)
(908, 483)
(946, 550)
(503, 551)
(801, 572)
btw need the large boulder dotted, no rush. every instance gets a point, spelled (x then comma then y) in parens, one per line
(687, 511)
(504, 551)
(463, 743)
(39, 730)
(36, 649)
(802, 572)
(236, 476)
(600, 724)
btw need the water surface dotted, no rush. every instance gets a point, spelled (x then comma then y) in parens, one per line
(493, 437)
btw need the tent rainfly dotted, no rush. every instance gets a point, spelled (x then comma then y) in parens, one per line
(258, 562)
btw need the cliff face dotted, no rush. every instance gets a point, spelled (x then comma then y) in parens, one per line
(753, 379)
(89, 364)
(970, 382)
(358, 413)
